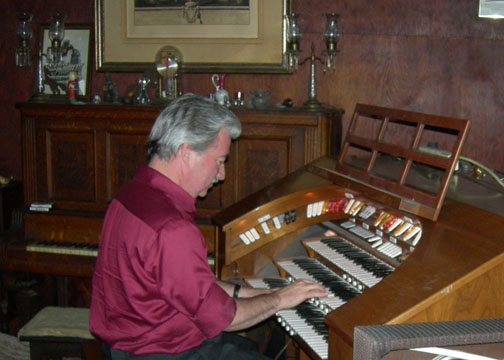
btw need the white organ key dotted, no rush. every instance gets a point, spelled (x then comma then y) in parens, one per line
(255, 234)
(244, 238)
(301, 328)
(417, 238)
(412, 233)
(309, 210)
(249, 236)
(395, 224)
(265, 227)
(349, 206)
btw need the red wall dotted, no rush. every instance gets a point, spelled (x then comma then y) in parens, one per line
(427, 56)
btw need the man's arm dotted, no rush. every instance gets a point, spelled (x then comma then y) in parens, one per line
(253, 310)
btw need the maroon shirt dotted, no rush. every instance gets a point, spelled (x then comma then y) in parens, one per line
(153, 290)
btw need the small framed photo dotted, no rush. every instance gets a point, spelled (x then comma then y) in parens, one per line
(67, 67)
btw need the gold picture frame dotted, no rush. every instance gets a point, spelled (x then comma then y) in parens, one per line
(126, 42)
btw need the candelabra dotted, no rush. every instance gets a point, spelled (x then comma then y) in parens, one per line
(331, 36)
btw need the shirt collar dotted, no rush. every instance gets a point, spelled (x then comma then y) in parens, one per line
(156, 180)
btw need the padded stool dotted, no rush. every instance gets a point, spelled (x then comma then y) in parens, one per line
(57, 332)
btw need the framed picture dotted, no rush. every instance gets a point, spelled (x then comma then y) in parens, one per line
(71, 60)
(211, 35)
(491, 9)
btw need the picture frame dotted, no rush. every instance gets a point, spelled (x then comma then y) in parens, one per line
(52, 79)
(491, 9)
(128, 37)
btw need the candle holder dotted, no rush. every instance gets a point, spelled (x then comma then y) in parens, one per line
(331, 36)
(24, 33)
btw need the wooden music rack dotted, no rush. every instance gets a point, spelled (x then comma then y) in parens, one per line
(404, 135)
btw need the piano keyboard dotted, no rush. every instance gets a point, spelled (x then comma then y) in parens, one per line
(305, 320)
(360, 266)
(339, 291)
(64, 248)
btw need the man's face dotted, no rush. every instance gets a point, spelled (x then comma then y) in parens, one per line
(207, 168)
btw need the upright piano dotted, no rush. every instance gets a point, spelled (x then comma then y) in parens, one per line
(376, 228)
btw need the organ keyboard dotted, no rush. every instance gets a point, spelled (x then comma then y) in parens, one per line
(372, 232)
(305, 322)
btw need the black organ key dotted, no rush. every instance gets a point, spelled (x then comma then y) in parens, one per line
(276, 283)
(358, 256)
(314, 317)
(327, 278)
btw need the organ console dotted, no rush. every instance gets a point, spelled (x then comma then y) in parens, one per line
(375, 227)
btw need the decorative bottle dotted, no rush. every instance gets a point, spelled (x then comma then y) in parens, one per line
(221, 94)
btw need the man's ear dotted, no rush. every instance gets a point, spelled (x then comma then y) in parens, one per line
(185, 152)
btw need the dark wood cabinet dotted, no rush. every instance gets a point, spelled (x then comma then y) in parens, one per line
(79, 156)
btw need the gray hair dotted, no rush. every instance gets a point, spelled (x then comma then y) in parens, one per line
(190, 119)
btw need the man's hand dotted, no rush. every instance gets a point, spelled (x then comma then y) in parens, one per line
(252, 310)
(299, 291)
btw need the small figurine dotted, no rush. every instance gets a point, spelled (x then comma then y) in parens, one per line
(110, 93)
(143, 97)
(72, 85)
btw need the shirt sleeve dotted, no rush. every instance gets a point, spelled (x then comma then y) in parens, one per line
(186, 282)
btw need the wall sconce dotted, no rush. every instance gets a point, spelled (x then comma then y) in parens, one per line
(24, 33)
(331, 36)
